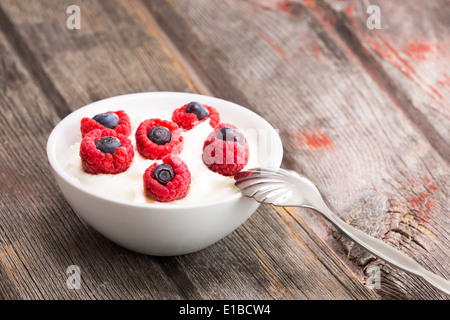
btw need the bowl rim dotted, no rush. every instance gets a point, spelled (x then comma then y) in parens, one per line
(194, 96)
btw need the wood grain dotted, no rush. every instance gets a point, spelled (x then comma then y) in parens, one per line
(382, 167)
(407, 58)
(48, 71)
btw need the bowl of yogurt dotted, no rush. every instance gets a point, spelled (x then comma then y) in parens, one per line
(115, 204)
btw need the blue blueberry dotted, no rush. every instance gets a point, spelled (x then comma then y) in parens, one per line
(230, 134)
(108, 119)
(197, 109)
(163, 173)
(160, 135)
(108, 144)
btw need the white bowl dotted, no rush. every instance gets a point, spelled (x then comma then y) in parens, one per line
(154, 228)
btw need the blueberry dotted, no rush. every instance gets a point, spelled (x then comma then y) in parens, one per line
(160, 135)
(197, 109)
(108, 119)
(163, 173)
(108, 144)
(230, 134)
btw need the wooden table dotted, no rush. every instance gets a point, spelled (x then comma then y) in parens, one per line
(363, 111)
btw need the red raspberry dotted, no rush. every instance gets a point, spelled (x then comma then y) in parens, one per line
(116, 158)
(226, 150)
(123, 126)
(188, 121)
(166, 140)
(168, 181)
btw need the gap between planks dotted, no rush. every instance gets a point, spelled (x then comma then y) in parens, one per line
(384, 81)
(342, 268)
(28, 59)
(190, 75)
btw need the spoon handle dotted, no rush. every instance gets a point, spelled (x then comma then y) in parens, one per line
(384, 251)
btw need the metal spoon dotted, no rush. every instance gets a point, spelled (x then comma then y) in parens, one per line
(287, 188)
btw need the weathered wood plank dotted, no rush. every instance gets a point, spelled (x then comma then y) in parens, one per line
(40, 235)
(376, 167)
(118, 51)
(407, 57)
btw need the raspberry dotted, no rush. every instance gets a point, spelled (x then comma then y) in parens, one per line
(168, 181)
(156, 138)
(104, 121)
(188, 120)
(226, 150)
(116, 156)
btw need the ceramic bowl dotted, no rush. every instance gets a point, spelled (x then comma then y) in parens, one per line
(155, 228)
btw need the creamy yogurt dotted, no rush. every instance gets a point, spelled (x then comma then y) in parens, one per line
(205, 186)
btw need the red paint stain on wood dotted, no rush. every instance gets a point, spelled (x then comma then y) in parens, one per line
(284, 6)
(310, 3)
(312, 141)
(445, 82)
(319, 54)
(409, 66)
(350, 8)
(417, 50)
(424, 203)
(415, 182)
(331, 20)
(386, 55)
(436, 92)
(397, 54)
(390, 54)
